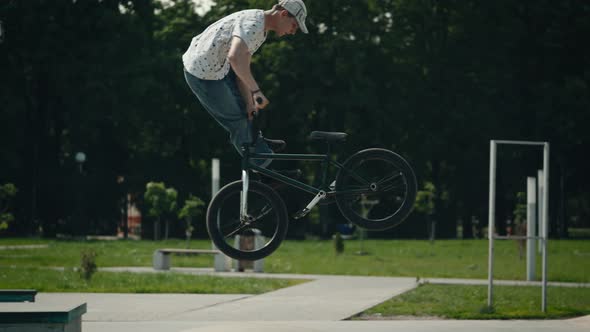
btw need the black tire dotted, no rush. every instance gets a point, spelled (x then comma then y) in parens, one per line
(270, 220)
(384, 185)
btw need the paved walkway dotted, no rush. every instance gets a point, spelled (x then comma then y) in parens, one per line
(319, 305)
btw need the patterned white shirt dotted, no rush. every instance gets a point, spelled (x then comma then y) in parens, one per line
(206, 57)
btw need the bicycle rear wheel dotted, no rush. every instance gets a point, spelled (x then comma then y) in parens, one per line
(259, 234)
(376, 189)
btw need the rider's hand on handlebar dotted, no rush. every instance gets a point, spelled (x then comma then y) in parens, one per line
(251, 111)
(259, 99)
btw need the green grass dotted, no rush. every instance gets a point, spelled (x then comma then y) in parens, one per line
(469, 302)
(568, 262)
(568, 259)
(49, 280)
(582, 233)
(64, 253)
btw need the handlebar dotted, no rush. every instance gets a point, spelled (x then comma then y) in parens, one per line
(254, 123)
(255, 113)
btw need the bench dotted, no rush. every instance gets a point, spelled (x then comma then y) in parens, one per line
(16, 317)
(161, 258)
(17, 295)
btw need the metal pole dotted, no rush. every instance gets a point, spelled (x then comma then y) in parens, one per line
(214, 177)
(545, 223)
(530, 229)
(1, 32)
(221, 262)
(540, 182)
(491, 223)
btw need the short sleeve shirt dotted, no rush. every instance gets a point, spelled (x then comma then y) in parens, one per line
(206, 57)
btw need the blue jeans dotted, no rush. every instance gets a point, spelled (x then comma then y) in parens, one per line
(222, 99)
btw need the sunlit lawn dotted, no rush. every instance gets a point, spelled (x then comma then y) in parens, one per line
(568, 260)
(470, 302)
(69, 280)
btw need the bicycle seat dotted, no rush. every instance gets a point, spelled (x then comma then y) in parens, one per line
(328, 136)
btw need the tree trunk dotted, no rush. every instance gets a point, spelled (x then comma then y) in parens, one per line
(157, 229)
(166, 229)
(467, 232)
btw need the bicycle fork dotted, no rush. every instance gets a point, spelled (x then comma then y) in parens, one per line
(244, 195)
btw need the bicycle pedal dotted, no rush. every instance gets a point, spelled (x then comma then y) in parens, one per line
(300, 214)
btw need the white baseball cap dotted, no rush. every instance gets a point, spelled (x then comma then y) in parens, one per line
(298, 10)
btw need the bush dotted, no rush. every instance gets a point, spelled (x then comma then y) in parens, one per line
(193, 208)
(338, 243)
(7, 193)
(161, 201)
(88, 264)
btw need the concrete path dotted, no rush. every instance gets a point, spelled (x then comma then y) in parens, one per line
(328, 298)
(345, 326)
(319, 305)
(138, 307)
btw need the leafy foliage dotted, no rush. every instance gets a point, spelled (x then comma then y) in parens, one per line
(160, 199)
(432, 80)
(425, 199)
(161, 202)
(520, 210)
(88, 264)
(7, 193)
(192, 209)
(338, 243)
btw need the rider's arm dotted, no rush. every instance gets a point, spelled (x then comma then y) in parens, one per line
(247, 96)
(239, 58)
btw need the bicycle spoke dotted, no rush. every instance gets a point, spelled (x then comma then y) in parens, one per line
(394, 186)
(264, 211)
(394, 176)
(253, 236)
(243, 225)
(362, 190)
(354, 175)
(239, 229)
(355, 192)
(378, 192)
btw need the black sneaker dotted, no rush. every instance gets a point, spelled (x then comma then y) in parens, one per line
(275, 145)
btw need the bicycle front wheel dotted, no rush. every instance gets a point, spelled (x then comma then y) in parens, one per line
(376, 189)
(261, 231)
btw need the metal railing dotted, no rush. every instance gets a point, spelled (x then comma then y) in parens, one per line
(543, 221)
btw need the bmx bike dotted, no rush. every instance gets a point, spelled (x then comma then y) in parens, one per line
(374, 189)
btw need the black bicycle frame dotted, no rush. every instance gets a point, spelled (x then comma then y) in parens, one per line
(248, 156)
(247, 164)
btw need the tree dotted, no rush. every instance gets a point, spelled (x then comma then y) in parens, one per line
(161, 202)
(193, 208)
(425, 205)
(7, 193)
(432, 80)
(519, 226)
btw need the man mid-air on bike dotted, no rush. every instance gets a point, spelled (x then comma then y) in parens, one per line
(217, 67)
